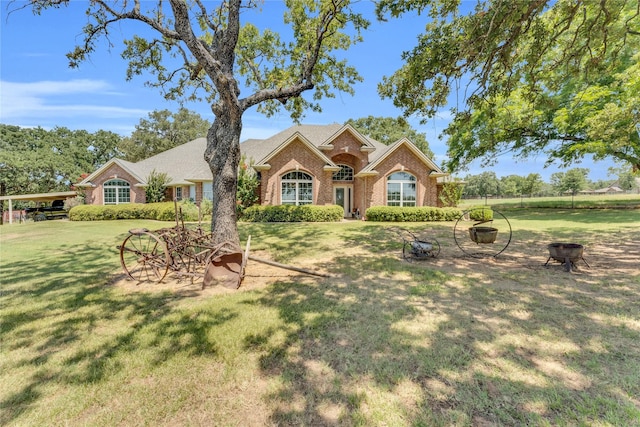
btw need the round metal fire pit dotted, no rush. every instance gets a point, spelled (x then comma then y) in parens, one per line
(566, 253)
(483, 234)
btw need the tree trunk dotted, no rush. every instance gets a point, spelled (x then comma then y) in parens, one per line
(223, 156)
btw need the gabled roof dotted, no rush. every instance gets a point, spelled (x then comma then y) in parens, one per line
(319, 136)
(296, 136)
(366, 144)
(370, 168)
(185, 164)
(258, 149)
(127, 166)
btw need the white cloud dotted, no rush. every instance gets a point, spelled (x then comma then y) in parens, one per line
(43, 99)
(48, 87)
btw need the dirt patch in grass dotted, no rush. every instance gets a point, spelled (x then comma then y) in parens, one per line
(611, 261)
(257, 276)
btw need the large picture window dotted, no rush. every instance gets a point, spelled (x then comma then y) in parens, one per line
(116, 191)
(401, 189)
(297, 188)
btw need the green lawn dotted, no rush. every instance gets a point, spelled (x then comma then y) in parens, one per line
(585, 201)
(383, 342)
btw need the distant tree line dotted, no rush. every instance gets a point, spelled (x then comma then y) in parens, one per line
(37, 160)
(573, 181)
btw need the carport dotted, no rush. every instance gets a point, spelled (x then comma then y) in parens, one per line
(42, 197)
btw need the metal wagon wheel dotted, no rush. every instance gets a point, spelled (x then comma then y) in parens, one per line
(144, 256)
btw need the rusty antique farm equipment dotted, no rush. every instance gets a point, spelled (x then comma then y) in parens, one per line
(149, 256)
(187, 254)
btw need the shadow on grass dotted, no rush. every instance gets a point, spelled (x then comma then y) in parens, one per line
(392, 340)
(386, 342)
(58, 331)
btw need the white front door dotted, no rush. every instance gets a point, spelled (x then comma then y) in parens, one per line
(343, 196)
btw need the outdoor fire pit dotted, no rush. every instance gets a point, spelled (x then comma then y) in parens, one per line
(483, 234)
(489, 234)
(566, 253)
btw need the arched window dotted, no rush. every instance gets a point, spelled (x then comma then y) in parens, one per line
(401, 189)
(116, 191)
(297, 188)
(344, 174)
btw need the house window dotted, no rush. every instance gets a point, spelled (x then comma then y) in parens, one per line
(401, 189)
(297, 188)
(178, 193)
(116, 191)
(344, 174)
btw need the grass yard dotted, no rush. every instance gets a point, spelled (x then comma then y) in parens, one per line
(450, 341)
(586, 201)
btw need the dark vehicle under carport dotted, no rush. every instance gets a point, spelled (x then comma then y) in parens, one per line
(42, 213)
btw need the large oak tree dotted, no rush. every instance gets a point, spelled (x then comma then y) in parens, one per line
(203, 49)
(555, 76)
(36, 160)
(161, 131)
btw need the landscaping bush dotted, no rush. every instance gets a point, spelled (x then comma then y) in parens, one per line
(412, 214)
(164, 211)
(480, 213)
(288, 213)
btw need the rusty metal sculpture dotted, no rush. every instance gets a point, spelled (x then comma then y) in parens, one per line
(149, 256)
(186, 253)
(417, 248)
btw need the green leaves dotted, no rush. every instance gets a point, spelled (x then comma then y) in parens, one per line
(558, 77)
(156, 187)
(162, 131)
(39, 161)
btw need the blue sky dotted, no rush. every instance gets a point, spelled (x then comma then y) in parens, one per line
(37, 88)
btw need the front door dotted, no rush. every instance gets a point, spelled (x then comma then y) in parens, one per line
(343, 196)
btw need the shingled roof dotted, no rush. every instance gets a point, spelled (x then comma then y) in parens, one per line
(185, 163)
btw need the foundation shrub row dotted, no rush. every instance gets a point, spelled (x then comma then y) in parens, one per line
(288, 213)
(412, 214)
(164, 211)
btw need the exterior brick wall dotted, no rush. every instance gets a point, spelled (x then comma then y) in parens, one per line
(368, 191)
(346, 149)
(347, 146)
(198, 193)
(94, 195)
(296, 156)
(403, 159)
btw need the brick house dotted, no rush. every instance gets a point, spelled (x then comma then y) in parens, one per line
(304, 164)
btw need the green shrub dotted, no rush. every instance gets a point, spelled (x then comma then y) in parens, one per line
(164, 211)
(248, 184)
(412, 214)
(156, 186)
(206, 207)
(288, 213)
(480, 213)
